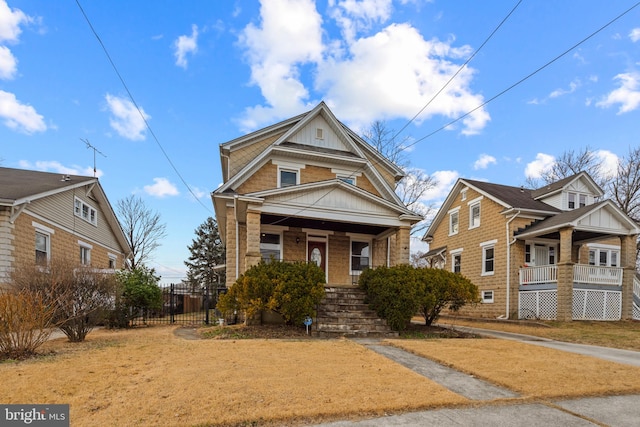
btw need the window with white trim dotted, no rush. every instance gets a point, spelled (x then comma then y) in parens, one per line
(474, 215)
(487, 297)
(85, 253)
(288, 177)
(456, 260)
(84, 211)
(270, 247)
(43, 247)
(348, 179)
(454, 220)
(488, 257)
(576, 200)
(604, 257)
(463, 194)
(360, 256)
(112, 261)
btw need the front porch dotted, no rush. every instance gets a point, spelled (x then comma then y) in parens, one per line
(596, 293)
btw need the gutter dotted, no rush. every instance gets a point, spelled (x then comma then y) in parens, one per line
(235, 212)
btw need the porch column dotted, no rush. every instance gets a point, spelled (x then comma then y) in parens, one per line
(231, 237)
(628, 264)
(252, 257)
(402, 245)
(565, 276)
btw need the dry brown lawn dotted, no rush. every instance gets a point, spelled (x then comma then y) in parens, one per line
(624, 334)
(152, 377)
(531, 370)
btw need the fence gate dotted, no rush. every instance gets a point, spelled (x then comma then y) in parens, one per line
(186, 304)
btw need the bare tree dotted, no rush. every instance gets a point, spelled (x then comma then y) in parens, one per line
(412, 188)
(570, 163)
(625, 186)
(142, 228)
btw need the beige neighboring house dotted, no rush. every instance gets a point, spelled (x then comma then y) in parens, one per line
(309, 189)
(44, 216)
(558, 252)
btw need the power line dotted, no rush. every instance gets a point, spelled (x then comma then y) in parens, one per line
(495, 30)
(135, 104)
(524, 78)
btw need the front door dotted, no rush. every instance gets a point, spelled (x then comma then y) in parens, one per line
(317, 253)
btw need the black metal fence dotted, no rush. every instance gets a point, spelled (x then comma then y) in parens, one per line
(187, 305)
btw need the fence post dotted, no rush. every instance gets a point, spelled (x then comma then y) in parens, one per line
(171, 304)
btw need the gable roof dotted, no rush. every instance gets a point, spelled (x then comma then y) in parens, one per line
(510, 197)
(353, 154)
(559, 185)
(19, 187)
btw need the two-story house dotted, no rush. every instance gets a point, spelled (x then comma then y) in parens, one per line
(558, 252)
(309, 189)
(45, 215)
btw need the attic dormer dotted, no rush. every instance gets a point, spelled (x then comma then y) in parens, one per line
(570, 193)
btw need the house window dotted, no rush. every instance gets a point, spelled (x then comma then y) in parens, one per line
(270, 246)
(456, 260)
(527, 254)
(43, 245)
(288, 178)
(112, 262)
(474, 215)
(463, 194)
(348, 179)
(487, 297)
(85, 253)
(84, 211)
(359, 256)
(576, 200)
(454, 217)
(603, 257)
(488, 257)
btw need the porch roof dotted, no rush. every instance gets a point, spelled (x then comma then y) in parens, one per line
(591, 222)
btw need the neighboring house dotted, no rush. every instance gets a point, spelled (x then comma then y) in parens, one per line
(46, 216)
(310, 189)
(558, 252)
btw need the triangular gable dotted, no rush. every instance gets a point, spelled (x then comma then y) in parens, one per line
(580, 182)
(303, 132)
(335, 200)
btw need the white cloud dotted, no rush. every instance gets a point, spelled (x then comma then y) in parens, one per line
(290, 35)
(389, 74)
(539, 166)
(20, 117)
(484, 161)
(627, 95)
(634, 35)
(161, 188)
(10, 21)
(126, 120)
(186, 45)
(55, 166)
(8, 64)
(444, 182)
(572, 88)
(609, 162)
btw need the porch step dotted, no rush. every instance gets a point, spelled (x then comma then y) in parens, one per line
(343, 312)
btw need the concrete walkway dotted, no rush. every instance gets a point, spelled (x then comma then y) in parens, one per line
(595, 411)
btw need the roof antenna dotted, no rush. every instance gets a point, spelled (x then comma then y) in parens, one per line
(95, 150)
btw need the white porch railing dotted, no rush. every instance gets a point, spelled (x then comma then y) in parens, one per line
(585, 274)
(539, 275)
(595, 275)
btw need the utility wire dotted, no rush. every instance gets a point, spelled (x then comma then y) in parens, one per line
(124, 84)
(524, 78)
(459, 70)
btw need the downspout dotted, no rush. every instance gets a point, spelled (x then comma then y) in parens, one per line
(509, 243)
(235, 212)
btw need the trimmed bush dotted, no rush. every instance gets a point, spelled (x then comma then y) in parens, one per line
(399, 293)
(291, 289)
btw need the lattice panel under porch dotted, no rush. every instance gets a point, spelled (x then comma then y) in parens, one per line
(596, 304)
(538, 305)
(636, 312)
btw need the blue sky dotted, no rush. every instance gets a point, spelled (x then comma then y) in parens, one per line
(204, 72)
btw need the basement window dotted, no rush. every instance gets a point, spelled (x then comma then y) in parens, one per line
(487, 297)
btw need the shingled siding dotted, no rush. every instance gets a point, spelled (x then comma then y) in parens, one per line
(239, 158)
(6, 244)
